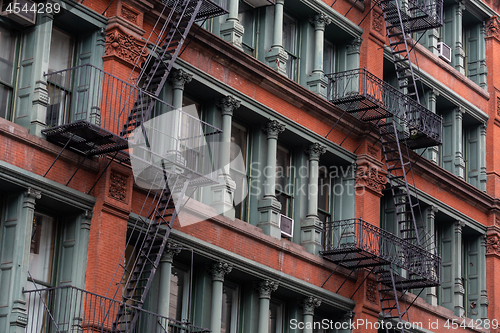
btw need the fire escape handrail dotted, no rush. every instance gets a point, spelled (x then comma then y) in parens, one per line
(346, 86)
(355, 235)
(76, 307)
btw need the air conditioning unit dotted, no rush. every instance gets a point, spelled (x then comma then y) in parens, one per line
(444, 51)
(20, 11)
(286, 225)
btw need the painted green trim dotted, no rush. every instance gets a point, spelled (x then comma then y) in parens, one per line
(49, 188)
(224, 89)
(339, 20)
(480, 9)
(85, 13)
(444, 208)
(444, 91)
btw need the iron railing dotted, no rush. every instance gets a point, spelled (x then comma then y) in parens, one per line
(70, 309)
(416, 15)
(360, 92)
(357, 243)
(90, 106)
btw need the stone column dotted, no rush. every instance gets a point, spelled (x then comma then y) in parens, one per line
(311, 230)
(218, 271)
(277, 57)
(223, 193)
(269, 207)
(317, 82)
(482, 157)
(232, 30)
(483, 300)
(459, 163)
(166, 261)
(431, 293)
(432, 152)
(483, 70)
(265, 288)
(308, 306)
(458, 290)
(458, 49)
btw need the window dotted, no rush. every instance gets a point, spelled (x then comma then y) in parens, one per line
(229, 308)
(328, 58)
(7, 71)
(239, 137)
(179, 294)
(247, 20)
(324, 197)
(284, 184)
(276, 316)
(290, 45)
(59, 84)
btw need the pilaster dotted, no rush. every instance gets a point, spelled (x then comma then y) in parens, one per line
(483, 299)
(459, 291)
(482, 157)
(459, 163)
(458, 50)
(430, 216)
(268, 207)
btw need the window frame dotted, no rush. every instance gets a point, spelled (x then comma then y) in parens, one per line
(289, 196)
(11, 99)
(244, 205)
(293, 55)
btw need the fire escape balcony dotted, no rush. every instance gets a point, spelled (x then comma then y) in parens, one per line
(416, 15)
(373, 100)
(355, 243)
(70, 309)
(88, 110)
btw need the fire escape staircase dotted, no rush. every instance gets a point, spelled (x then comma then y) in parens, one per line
(407, 260)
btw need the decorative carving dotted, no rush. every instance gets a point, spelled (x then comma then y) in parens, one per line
(320, 21)
(265, 288)
(309, 304)
(373, 151)
(125, 47)
(378, 23)
(170, 251)
(315, 150)
(32, 194)
(354, 46)
(459, 225)
(497, 220)
(179, 78)
(117, 186)
(493, 244)
(129, 15)
(228, 104)
(498, 106)
(273, 128)
(219, 269)
(493, 27)
(369, 177)
(371, 291)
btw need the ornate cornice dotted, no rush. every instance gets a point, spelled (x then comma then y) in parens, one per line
(125, 47)
(309, 304)
(219, 269)
(265, 288)
(179, 78)
(493, 27)
(315, 150)
(273, 128)
(227, 105)
(320, 21)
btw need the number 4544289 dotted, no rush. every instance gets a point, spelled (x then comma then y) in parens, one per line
(40, 8)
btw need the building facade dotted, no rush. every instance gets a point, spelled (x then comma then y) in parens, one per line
(270, 117)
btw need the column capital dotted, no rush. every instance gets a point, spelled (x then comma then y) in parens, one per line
(179, 77)
(431, 211)
(315, 150)
(273, 128)
(349, 315)
(31, 193)
(320, 21)
(354, 46)
(483, 127)
(280, 2)
(227, 105)
(459, 225)
(266, 287)
(172, 249)
(309, 304)
(219, 269)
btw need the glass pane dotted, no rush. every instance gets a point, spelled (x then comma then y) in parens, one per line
(176, 293)
(229, 309)
(60, 51)
(282, 170)
(5, 93)
(8, 42)
(239, 139)
(289, 34)
(328, 58)
(246, 18)
(324, 189)
(41, 250)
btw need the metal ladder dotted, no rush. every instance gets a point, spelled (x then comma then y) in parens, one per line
(152, 78)
(389, 299)
(398, 40)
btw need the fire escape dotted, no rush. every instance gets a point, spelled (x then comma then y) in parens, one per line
(408, 260)
(171, 154)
